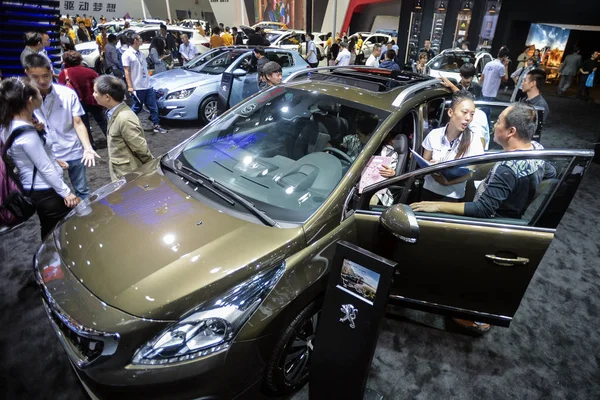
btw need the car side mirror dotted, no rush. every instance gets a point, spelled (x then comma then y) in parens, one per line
(239, 72)
(401, 222)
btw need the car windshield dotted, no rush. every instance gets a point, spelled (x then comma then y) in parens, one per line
(196, 63)
(452, 62)
(272, 37)
(270, 150)
(219, 62)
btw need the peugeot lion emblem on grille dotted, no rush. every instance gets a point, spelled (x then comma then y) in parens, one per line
(349, 314)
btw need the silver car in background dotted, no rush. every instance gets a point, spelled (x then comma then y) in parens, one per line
(191, 92)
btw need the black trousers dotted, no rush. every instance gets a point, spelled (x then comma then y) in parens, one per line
(50, 208)
(98, 113)
(584, 91)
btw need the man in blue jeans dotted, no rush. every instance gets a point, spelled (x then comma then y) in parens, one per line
(61, 114)
(138, 80)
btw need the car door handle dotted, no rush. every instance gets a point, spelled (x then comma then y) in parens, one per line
(507, 262)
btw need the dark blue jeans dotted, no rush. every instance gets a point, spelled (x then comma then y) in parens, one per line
(78, 179)
(146, 97)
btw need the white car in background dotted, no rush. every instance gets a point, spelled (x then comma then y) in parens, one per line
(190, 23)
(91, 53)
(370, 40)
(448, 63)
(293, 40)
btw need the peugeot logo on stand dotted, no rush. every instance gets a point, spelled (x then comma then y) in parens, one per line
(349, 314)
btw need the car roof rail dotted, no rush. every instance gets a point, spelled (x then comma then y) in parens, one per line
(363, 75)
(410, 90)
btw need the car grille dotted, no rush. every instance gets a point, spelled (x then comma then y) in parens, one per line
(163, 112)
(83, 345)
(88, 348)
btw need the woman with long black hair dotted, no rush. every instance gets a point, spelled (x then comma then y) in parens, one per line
(158, 55)
(451, 142)
(31, 153)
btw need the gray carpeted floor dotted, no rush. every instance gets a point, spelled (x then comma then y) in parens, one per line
(551, 350)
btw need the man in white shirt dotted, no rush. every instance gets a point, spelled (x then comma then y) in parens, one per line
(493, 74)
(373, 60)
(481, 127)
(186, 49)
(61, 114)
(138, 80)
(311, 51)
(344, 56)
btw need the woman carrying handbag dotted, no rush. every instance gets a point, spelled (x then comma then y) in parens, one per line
(31, 153)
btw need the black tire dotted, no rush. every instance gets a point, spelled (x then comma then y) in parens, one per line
(209, 109)
(287, 369)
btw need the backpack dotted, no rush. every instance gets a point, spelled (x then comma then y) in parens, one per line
(319, 55)
(150, 62)
(15, 207)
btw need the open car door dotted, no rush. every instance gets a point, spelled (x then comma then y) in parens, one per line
(466, 267)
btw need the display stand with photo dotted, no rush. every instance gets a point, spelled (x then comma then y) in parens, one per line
(353, 308)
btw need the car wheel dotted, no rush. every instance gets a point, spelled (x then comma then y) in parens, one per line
(287, 370)
(208, 109)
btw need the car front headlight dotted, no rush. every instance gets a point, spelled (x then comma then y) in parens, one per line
(181, 94)
(87, 52)
(210, 328)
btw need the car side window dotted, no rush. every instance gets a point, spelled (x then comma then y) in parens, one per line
(292, 40)
(434, 114)
(147, 36)
(282, 58)
(248, 63)
(478, 184)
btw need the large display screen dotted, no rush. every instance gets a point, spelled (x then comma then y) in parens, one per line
(359, 281)
(289, 12)
(550, 41)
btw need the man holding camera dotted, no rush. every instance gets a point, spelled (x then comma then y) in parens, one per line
(494, 73)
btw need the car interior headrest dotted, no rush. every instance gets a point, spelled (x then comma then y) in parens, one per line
(330, 108)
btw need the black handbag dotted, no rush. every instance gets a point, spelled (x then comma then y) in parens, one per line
(16, 202)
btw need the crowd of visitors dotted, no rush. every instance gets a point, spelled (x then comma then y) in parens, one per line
(47, 124)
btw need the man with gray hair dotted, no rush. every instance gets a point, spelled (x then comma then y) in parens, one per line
(35, 43)
(510, 186)
(127, 147)
(373, 60)
(187, 49)
(344, 55)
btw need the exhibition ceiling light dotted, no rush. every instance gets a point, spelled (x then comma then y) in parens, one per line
(442, 6)
(467, 6)
(418, 4)
(492, 9)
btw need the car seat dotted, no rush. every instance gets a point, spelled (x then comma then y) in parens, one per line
(328, 121)
(546, 186)
(400, 144)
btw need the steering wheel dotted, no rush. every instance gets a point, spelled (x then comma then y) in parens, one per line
(339, 153)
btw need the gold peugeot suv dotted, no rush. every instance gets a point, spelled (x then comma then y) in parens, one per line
(201, 275)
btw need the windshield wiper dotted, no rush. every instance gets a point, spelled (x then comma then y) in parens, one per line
(173, 168)
(223, 192)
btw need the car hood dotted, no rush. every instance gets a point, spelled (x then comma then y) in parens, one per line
(86, 46)
(181, 79)
(153, 251)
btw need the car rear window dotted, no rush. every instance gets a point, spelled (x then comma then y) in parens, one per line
(451, 62)
(282, 58)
